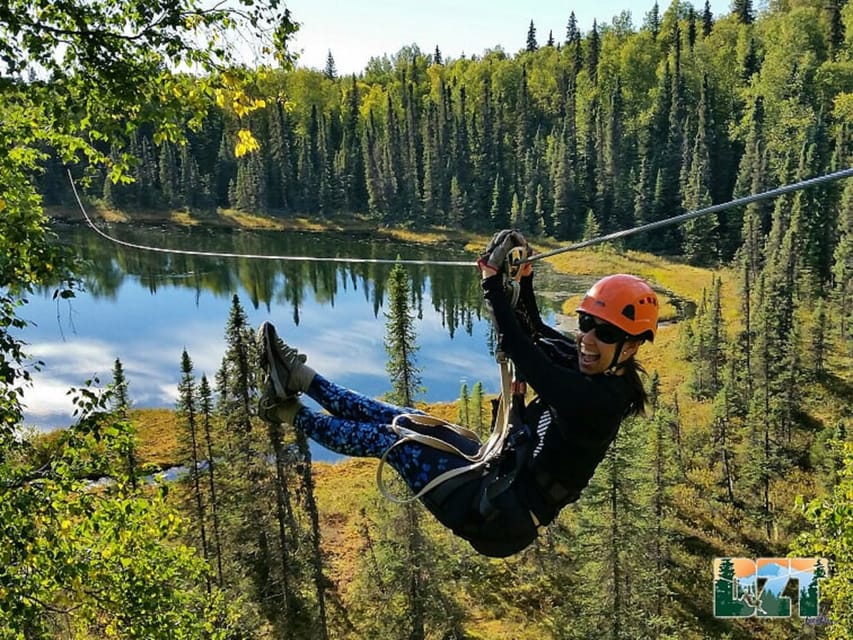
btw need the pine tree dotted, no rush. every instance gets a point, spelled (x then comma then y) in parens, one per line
(700, 233)
(652, 20)
(591, 228)
(707, 19)
(436, 58)
(574, 44)
(169, 181)
(498, 213)
(354, 172)
(531, 38)
(477, 417)
(206, 411)
(330, 72)
(743, 10)
(400, 340)
(463, 417)
(122, 405)
(593, 50)
(842, 269)
(187, 409)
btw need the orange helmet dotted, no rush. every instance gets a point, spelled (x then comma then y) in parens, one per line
(626, 302)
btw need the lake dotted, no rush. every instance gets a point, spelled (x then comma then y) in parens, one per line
(145, 308)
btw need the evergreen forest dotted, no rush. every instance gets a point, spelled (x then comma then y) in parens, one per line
(745, 450)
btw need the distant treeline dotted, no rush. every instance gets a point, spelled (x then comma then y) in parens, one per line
(616, 126)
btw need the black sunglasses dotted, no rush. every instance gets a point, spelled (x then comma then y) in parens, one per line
(607, 333)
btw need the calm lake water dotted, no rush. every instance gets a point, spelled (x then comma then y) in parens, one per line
(145, 308)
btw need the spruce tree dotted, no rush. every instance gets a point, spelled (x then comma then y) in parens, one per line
(614, 529)
(463, 417)
(652, 20)
(700, 233)
(280, 159)
(122, 405)
(400, 340)
(187, 409)
(476, 411)
(330, 72)
(565, 195)
(193, 193)
(251, 184)
(353, 177)
(742, 9)
(169, 180)
(574, 44)
(591, 228)
(842, 269)
(707, 19)
(691, 28)
(237, 386)
(498, 214)
(593, 50)
(206, 410)
(532, 45)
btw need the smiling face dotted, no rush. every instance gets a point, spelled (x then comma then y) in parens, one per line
(596, 356)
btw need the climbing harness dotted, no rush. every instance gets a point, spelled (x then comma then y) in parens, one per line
(507, 415)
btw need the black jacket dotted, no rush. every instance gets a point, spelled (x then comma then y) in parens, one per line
(569, 425)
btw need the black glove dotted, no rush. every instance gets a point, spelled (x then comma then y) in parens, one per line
(492, 260)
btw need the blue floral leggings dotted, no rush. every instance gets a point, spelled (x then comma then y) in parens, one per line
(360, 426)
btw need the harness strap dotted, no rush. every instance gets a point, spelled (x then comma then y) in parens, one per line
(495, 443)
(479, 460)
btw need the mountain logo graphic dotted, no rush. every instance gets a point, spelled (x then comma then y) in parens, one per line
(763, 587)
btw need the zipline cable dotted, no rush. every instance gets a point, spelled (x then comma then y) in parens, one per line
(616, 235)
(254, 256)
(739, 202)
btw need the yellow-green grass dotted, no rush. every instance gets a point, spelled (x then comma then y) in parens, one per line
(158, 434)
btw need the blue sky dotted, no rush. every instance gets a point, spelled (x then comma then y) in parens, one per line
(356, 30)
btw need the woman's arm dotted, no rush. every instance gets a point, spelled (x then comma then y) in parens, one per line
(530, 310)
(583, 403)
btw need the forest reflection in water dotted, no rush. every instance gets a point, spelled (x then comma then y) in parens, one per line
(145, 308)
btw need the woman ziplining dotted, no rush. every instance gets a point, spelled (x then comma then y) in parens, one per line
(550, 447)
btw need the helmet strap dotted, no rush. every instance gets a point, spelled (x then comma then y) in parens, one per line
(615, 365)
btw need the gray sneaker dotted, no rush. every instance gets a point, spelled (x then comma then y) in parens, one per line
(285, 373)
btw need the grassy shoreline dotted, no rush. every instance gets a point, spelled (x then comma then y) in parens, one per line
(361, 224)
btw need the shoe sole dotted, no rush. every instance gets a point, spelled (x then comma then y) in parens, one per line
(268, 338)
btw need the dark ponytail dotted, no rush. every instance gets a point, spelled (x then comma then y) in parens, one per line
(639, 398)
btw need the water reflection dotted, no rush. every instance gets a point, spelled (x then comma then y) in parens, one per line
(454, 290)
(145, 308)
